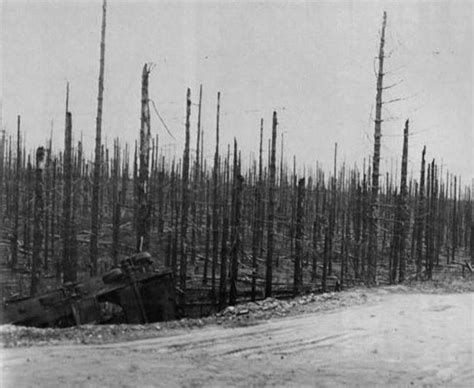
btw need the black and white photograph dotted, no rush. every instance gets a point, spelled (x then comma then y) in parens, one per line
(254, 193)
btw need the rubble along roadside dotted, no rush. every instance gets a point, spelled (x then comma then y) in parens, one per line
(244, 314)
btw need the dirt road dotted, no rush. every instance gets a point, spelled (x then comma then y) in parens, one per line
(398, 340)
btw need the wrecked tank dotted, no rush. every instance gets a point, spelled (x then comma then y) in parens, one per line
(134, 292)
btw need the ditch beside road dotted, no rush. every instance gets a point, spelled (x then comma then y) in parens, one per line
(387, 336)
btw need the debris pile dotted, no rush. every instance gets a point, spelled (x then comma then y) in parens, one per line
(271, 308)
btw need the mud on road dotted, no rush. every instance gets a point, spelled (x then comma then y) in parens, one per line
(395, 338)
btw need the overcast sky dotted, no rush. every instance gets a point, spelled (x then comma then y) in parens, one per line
(312, 62)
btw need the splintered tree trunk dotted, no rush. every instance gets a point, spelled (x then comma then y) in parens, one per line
(38, 234)
(196, 182)
(454, 223)
(420, 219)
(54, 220)
(27, 201)
(404, 211)
(185, 198)
(143, 217)
(68, 264)
(299, 235)
(206, 249)
(429, 229)
(258, 221)
(8, 182)
(16, 198)
(332, 215)
(314, 253)
(401, 222)
(325, 260)
(75, 204)
(414, 230)
(116, 204)
(433, 217)
(2, 179)
(94, 250)
(271, 210)
(358, 230)
(471, 248)
(235, 233)
(135, 186)
(207, 236)
(174, 217)
(48, 205)
(225, 234)
(215, 204)
(224, 253)
(373, 219)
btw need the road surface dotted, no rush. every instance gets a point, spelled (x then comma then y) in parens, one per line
(398, 340)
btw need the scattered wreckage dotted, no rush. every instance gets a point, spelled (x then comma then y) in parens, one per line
(134, 292)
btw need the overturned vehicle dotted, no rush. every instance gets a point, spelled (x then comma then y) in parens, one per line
(134, 292)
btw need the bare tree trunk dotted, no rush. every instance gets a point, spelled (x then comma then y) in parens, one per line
(225, 233)
(27, 201)
(420, 219)
(75, 201)
(208, 243)
(471, 248)
(116, 203)
(401, 221)
(38, 234)
(258, 218)
(54, 221)
(299, 236)
(235, 234)
(271, 214)
(314, 253)
(215, 205)
(373, 219)
(48, 204)
(2, 179)
(94, 250)
(196, 183)
(224, 254)
(68, 261)
(185, 198)
(325, 260)
(430, 224)
(144, 217)
(332, 215)
(454, 223)
(16, 199)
